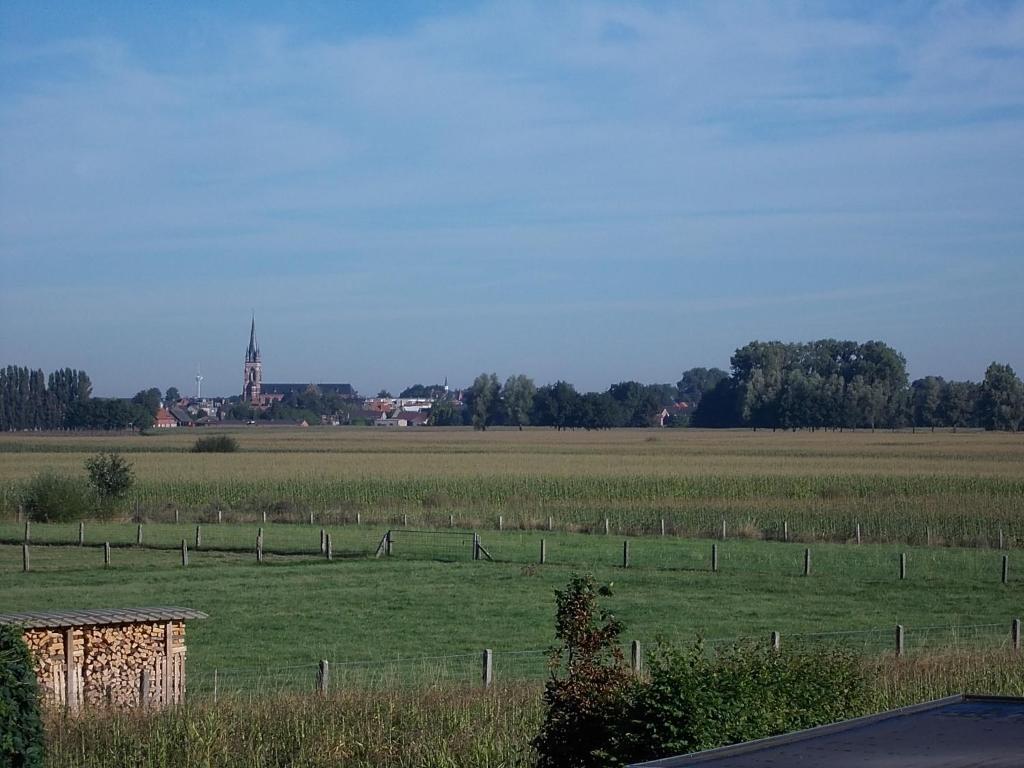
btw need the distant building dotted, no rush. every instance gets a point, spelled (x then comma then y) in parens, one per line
(252, 383)
(261, 395)
(164, 419)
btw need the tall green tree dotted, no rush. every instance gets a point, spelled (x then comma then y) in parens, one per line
(926, 399)
(1001, 404)
(517, 397)
(148, 399)
(959, 404)
(484, 400)
(696, 382)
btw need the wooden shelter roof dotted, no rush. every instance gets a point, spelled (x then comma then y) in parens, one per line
(53, 619)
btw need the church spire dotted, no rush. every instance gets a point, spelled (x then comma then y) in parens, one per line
(252, 354)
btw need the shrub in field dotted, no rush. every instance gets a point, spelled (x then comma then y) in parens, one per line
(590, 687)
(50, 498)
(693, 700)
(599, 713)
(21, 728)
(215, 444)
(111, 477)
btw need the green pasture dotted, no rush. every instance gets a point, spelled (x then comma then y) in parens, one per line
(429, 599)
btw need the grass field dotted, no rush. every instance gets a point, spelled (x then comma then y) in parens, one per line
(271, 623)
(961, 488)
(418, 620)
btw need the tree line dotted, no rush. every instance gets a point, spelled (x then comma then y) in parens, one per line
(824, 384)
(29, 399)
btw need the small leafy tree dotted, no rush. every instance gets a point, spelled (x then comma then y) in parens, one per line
(21, 727)
(110, 475)
(590, 686)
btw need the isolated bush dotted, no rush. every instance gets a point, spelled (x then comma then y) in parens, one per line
(21, 728)
(694, 700)
(50, 498)
(110, 476)
(588, 694)
(215, 444)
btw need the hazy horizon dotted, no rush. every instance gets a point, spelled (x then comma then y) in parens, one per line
(593, 192)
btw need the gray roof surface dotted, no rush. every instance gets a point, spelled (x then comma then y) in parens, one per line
(958, 732)
(52, 619)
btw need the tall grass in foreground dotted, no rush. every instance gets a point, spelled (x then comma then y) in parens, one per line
(455, 727)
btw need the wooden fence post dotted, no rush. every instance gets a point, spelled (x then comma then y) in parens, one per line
(199, 536)
(328, 549)
(138, 535)
(636, 659)
(928, 536)
(551, 523)
(714, 558)
(807, 561)
(184, 553)
(28, 530)
(106, 553)
(323, 676)
(899, 640)
(387, 544)
(1015, 635)
(487, 673)
(323, 541)
(1006, 569)
(663, 526)
(81, 534)
(1001, 540)
(625, 554)
(144, 688)
(776, 641)
(903, 565)
(259, 546)
(543, 551)
(24, 558)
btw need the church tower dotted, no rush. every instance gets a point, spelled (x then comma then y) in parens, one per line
(253, 376)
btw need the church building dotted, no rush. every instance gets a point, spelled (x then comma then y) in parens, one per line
(261, 395)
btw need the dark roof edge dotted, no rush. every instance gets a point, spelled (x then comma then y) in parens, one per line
(695, 758)
(99, 616)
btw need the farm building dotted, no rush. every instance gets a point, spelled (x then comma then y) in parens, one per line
(111, 657)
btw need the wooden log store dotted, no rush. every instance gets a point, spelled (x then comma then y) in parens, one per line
(107, 658)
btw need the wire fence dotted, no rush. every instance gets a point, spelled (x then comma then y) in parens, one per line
(487, 667)
(76, 545)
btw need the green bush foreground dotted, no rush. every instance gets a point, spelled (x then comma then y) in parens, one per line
(21, 729)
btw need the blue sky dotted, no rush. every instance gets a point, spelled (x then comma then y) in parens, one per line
(588, 191)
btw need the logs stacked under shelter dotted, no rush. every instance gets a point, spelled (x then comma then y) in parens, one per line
(115, 658)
